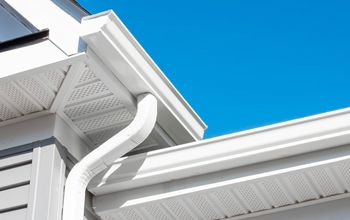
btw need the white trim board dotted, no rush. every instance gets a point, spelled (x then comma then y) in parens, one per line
(14, 62)
(42, 128)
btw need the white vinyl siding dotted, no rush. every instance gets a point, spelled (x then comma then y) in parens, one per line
(14, 198)
(15, 174)
(32, 183)
(18, 214)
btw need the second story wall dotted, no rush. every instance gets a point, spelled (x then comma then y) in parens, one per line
(61, 17)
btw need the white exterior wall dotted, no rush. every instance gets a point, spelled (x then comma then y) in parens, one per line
(333, 210)
(32, 179)
(15, 174)
(31, 182)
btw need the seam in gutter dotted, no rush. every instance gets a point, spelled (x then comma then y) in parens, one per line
(103, 156)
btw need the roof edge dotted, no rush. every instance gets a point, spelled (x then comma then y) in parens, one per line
(267, 143)
(120, 45)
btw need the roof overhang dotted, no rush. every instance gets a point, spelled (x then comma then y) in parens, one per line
(299, 152)
(253, 146)
(108, 38)
(93, 91)
(79, 89)
(237, 193)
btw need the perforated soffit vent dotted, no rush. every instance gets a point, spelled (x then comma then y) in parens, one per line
(94, 110)
(30, 94)
(236, 199)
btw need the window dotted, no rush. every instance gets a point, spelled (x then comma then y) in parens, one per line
(12, 24)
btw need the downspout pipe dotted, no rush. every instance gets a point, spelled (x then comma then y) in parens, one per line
(103, 156)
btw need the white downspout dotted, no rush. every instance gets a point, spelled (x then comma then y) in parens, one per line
(103, 156)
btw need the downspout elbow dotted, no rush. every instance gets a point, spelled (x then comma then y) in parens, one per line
(103, 156)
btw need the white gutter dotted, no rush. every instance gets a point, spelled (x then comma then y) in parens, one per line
(244, 148)
(108, 39)
(100, 158)
(240, 193)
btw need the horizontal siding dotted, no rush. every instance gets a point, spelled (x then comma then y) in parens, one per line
(14, 198)
(19, 214)
(15, 176)
(15, 160)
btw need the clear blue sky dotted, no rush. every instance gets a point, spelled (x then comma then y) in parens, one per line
(243, 63)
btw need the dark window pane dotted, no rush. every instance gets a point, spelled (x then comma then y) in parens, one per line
(10, 26)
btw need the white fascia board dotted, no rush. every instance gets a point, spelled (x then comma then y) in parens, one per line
(226, 152)
(109, 39)
(42, 126)
(29, 57)
(61, 17)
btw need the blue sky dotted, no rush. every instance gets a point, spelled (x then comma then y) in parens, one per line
(246, 63)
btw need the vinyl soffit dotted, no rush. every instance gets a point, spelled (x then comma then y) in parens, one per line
(99, 112)
(94, 110)
(246, 198)
(30, 94)
(135, 70)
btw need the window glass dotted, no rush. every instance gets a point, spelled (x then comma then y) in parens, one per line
(10, 26)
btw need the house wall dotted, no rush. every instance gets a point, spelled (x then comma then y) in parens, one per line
(336, 210)
(32, 179)
(45, 14)
(14, 186)
(10, 27)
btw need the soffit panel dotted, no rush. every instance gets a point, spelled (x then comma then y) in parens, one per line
(235, 198)
(30, 93)
(82, 92)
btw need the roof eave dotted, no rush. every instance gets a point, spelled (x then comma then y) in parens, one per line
(254, 146)
(109, 39)
(240, 192)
